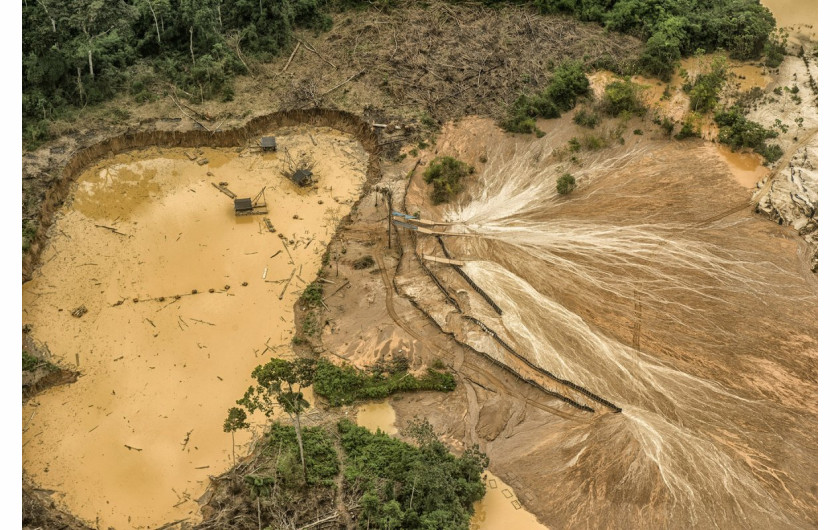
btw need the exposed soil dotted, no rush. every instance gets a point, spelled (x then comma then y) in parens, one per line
(599, 482)
(39, 511)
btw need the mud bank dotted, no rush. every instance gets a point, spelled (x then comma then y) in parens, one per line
(183, 299)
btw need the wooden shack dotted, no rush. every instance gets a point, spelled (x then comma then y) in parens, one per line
(302, 177)
(248, 206)
(242, 205)
(268, 143)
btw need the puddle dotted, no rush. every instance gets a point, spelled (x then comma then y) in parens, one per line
(131, 444)
(379, 415)
(748, 76)
(745, 167)
(500, 509)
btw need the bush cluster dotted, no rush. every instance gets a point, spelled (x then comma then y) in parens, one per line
(444, 174)
(403, 486)
(565, 184)
(313, 294)
(568, 83)
(586, 118)
(704, 91)
(738, 132)
(321, 457)
(622, 97)
(343, 385)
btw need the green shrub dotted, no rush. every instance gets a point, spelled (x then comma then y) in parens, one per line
(29, 362)
(588, 119)
(311, 323)
(705, 90)
(565, 184)
(690, 127)
(407, 486)
(736, 131)
(567, 84)
(29, 231)
(574, 145)
(623, 97)
(321, 457)
(637, 132)
(775, 48)
(313, 294)
(445, 174)
(343, 385)
(592, 142)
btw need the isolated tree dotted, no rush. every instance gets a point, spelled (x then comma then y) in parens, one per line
(279, 385)
(234, 422)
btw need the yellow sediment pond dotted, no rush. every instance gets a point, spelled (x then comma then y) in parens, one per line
(747, 168)
(500, 509)
(379, 415)
(131, 444)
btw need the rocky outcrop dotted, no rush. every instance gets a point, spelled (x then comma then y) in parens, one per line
(792, 197)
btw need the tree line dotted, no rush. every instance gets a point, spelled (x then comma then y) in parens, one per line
(80, 52)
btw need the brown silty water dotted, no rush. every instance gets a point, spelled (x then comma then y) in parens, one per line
(131, 444)
(800, 17)
(654, 286)
(500, 509)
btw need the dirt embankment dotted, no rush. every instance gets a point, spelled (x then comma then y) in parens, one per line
(697, 198)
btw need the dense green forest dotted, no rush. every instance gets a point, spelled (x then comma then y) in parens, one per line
(386, 483)
(81, 52)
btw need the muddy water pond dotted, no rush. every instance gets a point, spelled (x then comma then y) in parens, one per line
(183, 299)
(378, 415)
(746, 168)
(500, 509)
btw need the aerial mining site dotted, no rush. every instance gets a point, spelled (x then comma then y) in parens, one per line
(380, 264)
